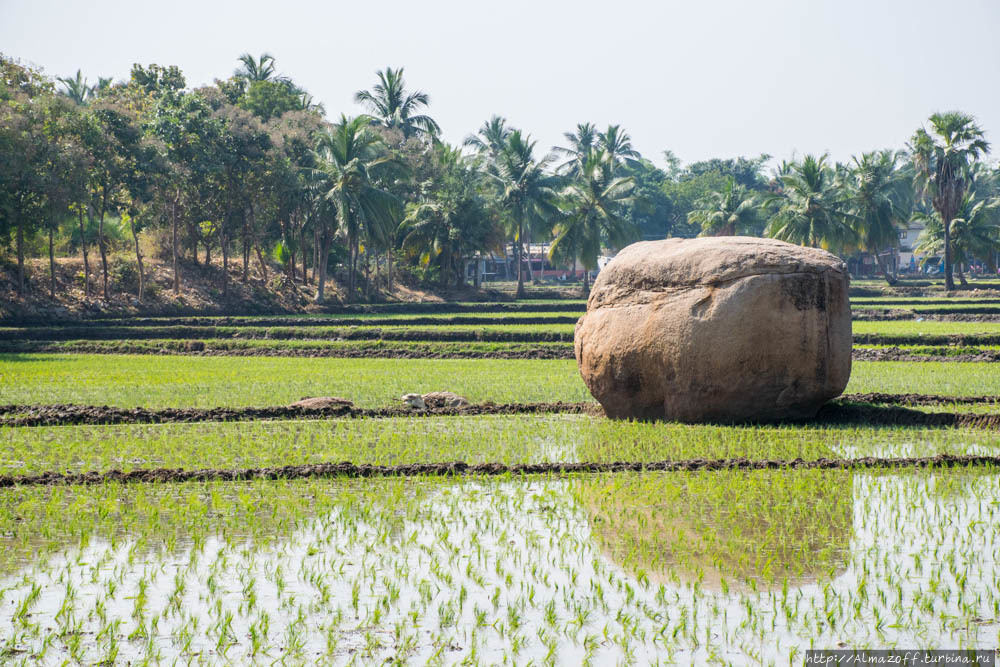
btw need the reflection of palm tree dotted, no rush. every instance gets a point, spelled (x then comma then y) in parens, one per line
(394, 107)
(723, 528)
(942, 158)
(727, 213)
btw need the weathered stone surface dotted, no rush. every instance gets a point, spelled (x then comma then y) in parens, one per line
(435, 399)
(321, 403)
(717, 329)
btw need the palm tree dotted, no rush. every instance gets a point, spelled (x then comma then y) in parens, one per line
(393, 107)
(257, 69)
(581, 144)
(880, 200)
(526, 191)
(76, 88)
(593, 203)
(617, 146)
(490, 138)
(727, 213)
(942, 158)
(453, 220)
(975, 233)
(811, 210)
(351, 159)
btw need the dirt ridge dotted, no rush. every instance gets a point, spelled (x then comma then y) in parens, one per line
(875, 409)
(347, 469)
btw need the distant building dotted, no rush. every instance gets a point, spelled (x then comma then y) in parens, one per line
(908, 260)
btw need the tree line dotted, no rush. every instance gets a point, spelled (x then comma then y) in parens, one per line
(250, 170)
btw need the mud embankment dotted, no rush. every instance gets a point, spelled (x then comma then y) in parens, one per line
(460, 468)
(859, 409)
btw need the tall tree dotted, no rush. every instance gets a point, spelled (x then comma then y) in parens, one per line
(76, 88)
(617, 146)
(942, 158)
(880, 199)
(811, 210)
(490, 138)
(727, 213)
(975, 233)
(593, 203)
(393, 106)
(526, 191)
(261, 68)
(350, 158)
(581, 144)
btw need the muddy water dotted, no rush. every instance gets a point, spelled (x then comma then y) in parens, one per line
(494, 570)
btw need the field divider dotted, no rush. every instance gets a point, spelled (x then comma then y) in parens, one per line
(460, 468)
(869, 409)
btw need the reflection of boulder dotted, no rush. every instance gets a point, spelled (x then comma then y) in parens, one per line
(765, 526)
(716, 329)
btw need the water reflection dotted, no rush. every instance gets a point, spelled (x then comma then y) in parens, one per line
(721, 529)
(600, 568)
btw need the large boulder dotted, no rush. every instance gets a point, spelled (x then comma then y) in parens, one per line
(717, 329)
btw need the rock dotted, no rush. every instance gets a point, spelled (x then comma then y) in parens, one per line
(716, 329)
(322, 403)
(435, 399)
(445, 399)
(415, 401)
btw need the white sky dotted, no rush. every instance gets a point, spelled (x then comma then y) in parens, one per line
(704, 78)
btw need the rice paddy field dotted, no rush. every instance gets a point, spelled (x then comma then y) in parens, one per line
(789, 546)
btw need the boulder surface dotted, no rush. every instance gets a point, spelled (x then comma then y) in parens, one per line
(724, 329)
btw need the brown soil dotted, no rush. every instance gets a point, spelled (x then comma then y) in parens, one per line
(917, 399)
(874, 409)
(460, 468)
(180, 348)
(971, 314)
(898, 354)
(57, 415)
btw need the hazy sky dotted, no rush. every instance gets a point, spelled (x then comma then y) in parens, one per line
(703, 78)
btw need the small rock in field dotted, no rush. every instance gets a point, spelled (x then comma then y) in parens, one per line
(322, 403)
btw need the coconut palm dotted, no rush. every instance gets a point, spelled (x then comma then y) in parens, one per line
(942, 158)
(351, 159)
(258, 69)
(526, 191)
(811, 210)
(392, 106)
(593, 203)
(581, 144)
(880, 200)
(617, 146)
(76, 88)
(974, 233)
(490, 138)
(727, 213)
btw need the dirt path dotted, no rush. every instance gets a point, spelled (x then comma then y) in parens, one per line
(459, 468)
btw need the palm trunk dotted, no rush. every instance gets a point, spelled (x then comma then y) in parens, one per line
(949, 280)
(86, 263)
(173, 241)
(138, 259)
(519, 294)
(324, 256)
(101, 244)
(52, 266)
(880, 262)
(961, 274)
